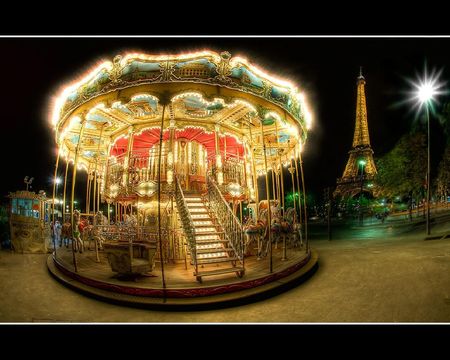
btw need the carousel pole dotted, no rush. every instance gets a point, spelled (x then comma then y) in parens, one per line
(269, 220)
(281, 180)
(96, 167)
(95, 189)
(304, 200)
(255, 177)
(171, 166)
(299, 193)
(281, 189)
(72, 198)
(98, 194)
(292, 170)
(88, 185)
(64, 194)
(53, 199)
(159, 201)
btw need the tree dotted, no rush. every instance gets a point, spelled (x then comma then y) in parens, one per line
(443, 177)
(403, 169)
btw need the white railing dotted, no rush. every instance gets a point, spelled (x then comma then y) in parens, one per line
(226, 218)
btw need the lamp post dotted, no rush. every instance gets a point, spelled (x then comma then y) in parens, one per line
(362, 163)
(57, 182)
(425, 95)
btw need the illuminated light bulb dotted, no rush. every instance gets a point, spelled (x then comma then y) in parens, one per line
(220, 177)
(219, 161)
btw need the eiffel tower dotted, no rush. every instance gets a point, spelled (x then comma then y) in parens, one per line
(360, 168)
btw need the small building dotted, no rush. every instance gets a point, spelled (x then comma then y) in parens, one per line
(29, 221)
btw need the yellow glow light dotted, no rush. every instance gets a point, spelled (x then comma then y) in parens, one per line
(61, 98)
(260, 72)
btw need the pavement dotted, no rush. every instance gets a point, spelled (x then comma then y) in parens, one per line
(399, 278)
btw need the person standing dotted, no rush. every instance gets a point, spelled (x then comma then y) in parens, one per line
(57, 232)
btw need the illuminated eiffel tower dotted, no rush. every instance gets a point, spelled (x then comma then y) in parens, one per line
(360, 168)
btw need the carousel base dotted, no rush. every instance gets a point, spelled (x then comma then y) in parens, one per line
(182, 291)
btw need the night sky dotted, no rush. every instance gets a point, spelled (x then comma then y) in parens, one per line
(34, 69)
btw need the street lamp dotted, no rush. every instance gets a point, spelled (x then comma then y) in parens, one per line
(425, 94)
(57, 182)
(362, 163)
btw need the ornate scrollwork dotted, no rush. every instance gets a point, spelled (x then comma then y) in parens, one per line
(224, 67)
(116, 72)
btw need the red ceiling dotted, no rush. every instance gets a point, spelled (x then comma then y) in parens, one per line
(144, 141)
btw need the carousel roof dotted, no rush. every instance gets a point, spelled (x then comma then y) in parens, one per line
(199, 91)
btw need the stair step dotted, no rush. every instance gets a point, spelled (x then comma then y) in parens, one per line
(216, 246)
(213, 241)
(202, 223)
(198, 210)
(208, 233)
(200, 216)
(219, 271)
(212, 256)
(193, 198)
(204, 229)
(216, 260)
(213, 250)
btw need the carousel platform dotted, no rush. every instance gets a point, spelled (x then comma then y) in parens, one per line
(182, 291)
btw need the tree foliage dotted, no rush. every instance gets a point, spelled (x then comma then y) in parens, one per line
(403, 169)
(443, 178)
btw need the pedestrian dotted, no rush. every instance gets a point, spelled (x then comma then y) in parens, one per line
(57, 232)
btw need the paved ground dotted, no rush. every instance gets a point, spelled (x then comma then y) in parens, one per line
(401, 279)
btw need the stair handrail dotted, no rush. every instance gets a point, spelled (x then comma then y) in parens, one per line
(186, 221)
(227, 219)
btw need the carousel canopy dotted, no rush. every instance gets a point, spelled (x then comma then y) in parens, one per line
(199, 93)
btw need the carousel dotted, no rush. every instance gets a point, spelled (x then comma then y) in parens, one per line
(187, 160)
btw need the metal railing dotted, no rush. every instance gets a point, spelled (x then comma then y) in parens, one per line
(186, 220)
(226, 218)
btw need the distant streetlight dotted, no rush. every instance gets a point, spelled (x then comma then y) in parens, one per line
(361, 163)
(58, 181)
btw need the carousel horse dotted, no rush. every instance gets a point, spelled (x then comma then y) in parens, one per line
(295, 237)
(130, 220)
(78, 230)
(66, 234)
(253, 231)
(92, 233)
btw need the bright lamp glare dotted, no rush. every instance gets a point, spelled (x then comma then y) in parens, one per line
(426, 92)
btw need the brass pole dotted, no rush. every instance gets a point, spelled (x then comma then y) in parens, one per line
(109, 216)
(299, 193)
(53, 199)
(304, 201)
(268, 201)
(274, 192)
(159, 200)
(64, 194)
(292, 170)
(74, 176)
(95, 189)
(88, 188)
(98, 194)
(281, 181)
(255, 177)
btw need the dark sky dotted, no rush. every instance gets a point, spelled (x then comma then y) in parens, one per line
(34, 69)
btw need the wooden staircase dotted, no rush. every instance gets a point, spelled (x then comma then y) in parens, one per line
(214, 253)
